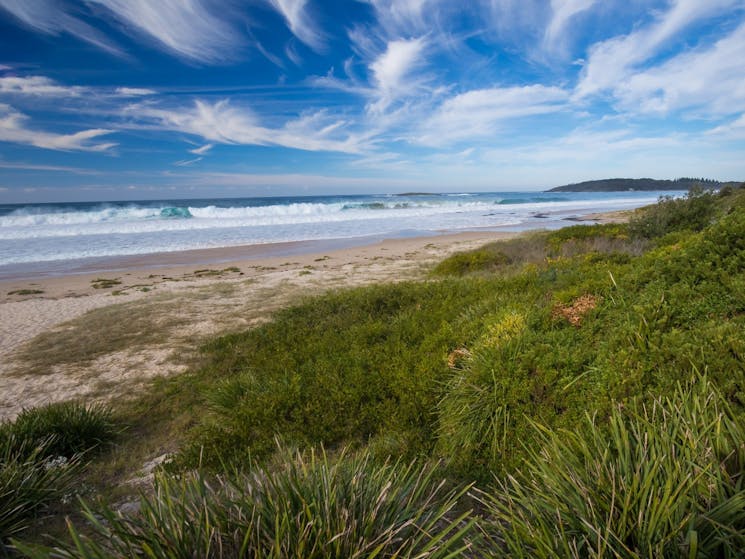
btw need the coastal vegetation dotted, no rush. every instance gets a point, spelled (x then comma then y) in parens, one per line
(614, 185)
(575, 393)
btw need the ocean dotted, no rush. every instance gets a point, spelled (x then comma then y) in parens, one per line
(57, 237)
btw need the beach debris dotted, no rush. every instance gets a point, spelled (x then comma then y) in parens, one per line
(576, 310)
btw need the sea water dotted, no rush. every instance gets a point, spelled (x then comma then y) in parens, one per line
(55, 233)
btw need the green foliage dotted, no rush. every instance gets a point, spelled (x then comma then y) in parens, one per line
(61, 429)
(40, 453)
(305, 506)
(692, 213)
(661, 480)
(29, 482)
(488, 258)
(341, 368)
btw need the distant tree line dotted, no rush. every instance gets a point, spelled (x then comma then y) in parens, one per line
(615, 185)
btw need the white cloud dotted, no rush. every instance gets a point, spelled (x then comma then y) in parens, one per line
(49, 168)
(708, 81)
(734, 130)
(13, 129)
(611, 62)
(134, 91)
(562, 13)
(222, 123)
(53, 17)
(188, 162)
(189, 28)
(299, 22)
(202, 150)
(399, 18)
(392, 72)
(37, 85)
(41, 86)
(478, 113)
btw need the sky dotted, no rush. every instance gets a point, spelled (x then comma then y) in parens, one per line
(145, 99)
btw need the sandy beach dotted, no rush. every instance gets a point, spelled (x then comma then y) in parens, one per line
(104, 335)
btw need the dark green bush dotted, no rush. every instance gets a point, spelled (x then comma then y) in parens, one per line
(691, 213)
(64, 428)
(29, 483)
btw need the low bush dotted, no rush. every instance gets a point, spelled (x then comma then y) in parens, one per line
(342, 368)
(61, 429)
(694, 212)
(29, 483)
(306, 506)
(656, 480)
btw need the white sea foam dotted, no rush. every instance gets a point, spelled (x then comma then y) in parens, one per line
(58, 232)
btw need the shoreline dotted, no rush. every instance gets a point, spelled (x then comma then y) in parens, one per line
(166, 312)
(163, 310)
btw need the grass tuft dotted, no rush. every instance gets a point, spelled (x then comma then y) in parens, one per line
(306, 506)
(661, 480)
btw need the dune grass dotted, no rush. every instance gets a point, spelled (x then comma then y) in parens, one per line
(662, 479)
(41, 455)
(307, 505)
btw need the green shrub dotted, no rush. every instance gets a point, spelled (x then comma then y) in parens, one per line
(305, 506)
(488, 258)
(662, 480)
(342, 368)
(62, 429)
(29, 483)
(692, 213)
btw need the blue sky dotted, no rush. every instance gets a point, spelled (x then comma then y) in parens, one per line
(133, 99)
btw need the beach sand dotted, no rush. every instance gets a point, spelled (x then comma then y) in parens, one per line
(105, 335)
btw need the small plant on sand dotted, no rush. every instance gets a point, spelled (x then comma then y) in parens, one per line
(305, 506)
(105, 283)
(26, 292)
(660, 480)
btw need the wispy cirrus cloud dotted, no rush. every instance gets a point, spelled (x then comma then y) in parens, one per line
(220, 122)
(134, 91)
(54, 17)
(708, 81)
(299, 21)
(393, 74)
(479, 113)
(202, 150)
(14, 129)
(197, 30)
(610, 62)
(34, 167)
(734, 130)
(44, 87)
(563, 11)
(37, 86)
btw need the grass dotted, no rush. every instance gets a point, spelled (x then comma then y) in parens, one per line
(41, 456)
(102, 331)
(29, 484)
(308, 505)
(105, 283)
(662, 479)
(26, 292)
(61, 429)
